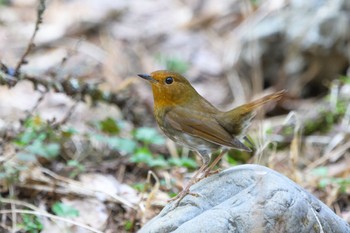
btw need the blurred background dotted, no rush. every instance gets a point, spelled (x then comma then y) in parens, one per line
(78, 139)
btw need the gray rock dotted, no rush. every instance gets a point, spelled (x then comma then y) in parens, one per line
(247, 198)
(299, 46)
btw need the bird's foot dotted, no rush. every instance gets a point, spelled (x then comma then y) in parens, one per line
(209, 172)
(206, 173)
(186, 190)
(178, 198)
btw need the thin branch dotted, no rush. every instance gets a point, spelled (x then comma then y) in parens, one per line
(6, 77)
(40, 11)
(72, 87)
(66, 117)
(80, 186)
(30, 113)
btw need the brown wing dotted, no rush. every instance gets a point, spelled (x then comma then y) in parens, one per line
(203, 126)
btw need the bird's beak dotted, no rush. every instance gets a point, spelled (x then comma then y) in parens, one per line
(147, 77)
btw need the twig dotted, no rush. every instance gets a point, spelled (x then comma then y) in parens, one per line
(80, 186)
(5, 76)
(40, 11)
(72, 87)
(336, 153)
(66, 117)
(57, 69)
(18, 202)
(35, 107)
(13, 209)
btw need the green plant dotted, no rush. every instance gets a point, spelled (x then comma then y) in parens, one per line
(172, 194)
(342, 183)
(123, 145)
(64, 210)
(9, 171)
(231, 160)
(344, 79)
(139, 186)
(31, 223)
(38, 139)
(173, 63)
(4, 2)
(183, 162)
(109, 126)
(76, 166)
(149, 136)
(325, 180)
(255, 3)
(128, 225)
(137, 145)
(144, 155)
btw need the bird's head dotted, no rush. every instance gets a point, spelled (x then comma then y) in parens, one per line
(169, 88)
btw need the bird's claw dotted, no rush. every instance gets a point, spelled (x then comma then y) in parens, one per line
(209, 172)
(193, 194)
(178, 198)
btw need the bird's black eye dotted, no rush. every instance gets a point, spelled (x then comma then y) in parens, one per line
(169, 80)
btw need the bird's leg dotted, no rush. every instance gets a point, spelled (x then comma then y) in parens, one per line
(205, 162)
(186, 190)
(217, 159)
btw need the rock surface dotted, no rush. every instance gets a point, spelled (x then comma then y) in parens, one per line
(247, 198)
(299, 46)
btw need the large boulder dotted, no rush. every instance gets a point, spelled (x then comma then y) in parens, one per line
(247, 198)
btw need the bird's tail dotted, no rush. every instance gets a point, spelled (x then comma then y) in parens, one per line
(237, 120)
(257, 103)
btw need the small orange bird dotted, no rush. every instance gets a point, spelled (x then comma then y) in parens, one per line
(190, 120)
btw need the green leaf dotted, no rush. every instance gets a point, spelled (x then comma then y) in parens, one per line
(345, 79)
(34, 122)
(139, 187)
(26, 156)
(128, 225)
(231, 160)
(149, 135)
(157, 162)
(324, 182)
(120, 144)
(109, 126)
(173, 63)
(26, 137)
(183, 162)
(31, 223)
(172, 194)
(320, 171)
(269, 131)
(142, 155)
(37, 148)
(73, 163)
(77, 168)
(64, 210)
(68, 133)
(50, 150)
(76, 164)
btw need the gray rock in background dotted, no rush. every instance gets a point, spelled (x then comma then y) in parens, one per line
(301, 46)
(247, 198)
